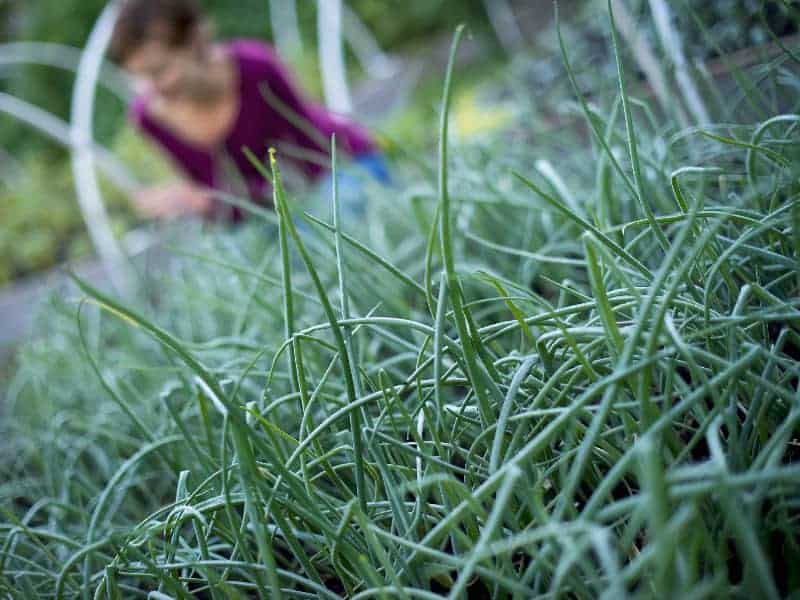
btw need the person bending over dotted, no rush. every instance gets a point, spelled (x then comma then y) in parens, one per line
(203, 102)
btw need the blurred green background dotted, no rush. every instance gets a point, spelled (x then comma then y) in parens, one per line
(39, 222)
(394, 23)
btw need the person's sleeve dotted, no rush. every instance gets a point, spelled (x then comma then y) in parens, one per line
(274, 80)
(312, 120)
(196, 164)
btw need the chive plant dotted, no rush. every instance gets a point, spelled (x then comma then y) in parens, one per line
(568, 370)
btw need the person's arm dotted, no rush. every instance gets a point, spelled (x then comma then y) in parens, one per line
(170, 200)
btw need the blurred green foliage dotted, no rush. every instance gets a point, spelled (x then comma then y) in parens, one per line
(733, 24)
(394, 23)
(40, 224)
(39, 221)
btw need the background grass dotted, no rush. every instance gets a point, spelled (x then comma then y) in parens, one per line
(561, 361)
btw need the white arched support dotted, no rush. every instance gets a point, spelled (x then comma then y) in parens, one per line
(63, 57)
(86, 185)
(285, 28)
(60, 131)
(504, 23)
(374, 61)
(331, 56)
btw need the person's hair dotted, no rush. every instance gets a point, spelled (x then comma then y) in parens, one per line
(175, 22)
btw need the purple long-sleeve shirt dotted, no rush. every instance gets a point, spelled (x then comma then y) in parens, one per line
(271, 113)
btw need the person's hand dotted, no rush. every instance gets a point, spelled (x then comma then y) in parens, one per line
(172, 200)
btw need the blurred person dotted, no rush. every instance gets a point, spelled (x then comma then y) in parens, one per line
(203, 102)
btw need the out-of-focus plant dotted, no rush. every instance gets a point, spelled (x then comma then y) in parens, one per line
(40, 224)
